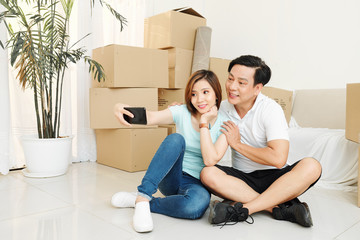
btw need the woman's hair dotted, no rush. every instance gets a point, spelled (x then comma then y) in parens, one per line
(211, 78)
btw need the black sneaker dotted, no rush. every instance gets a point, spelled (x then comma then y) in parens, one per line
(221, 212)
(294, 211)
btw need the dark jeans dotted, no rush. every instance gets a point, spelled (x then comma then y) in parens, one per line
(186, 197)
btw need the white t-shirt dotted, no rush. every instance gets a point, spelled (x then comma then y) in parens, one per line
(264, 122)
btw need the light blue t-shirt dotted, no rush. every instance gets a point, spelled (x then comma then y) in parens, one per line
(193, 162)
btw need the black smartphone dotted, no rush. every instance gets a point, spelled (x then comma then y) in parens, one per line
(139, 115)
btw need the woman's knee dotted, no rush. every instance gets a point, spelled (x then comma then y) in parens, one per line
(176, 137)
(176, 140)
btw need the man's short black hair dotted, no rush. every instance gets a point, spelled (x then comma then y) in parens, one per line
(262, 71)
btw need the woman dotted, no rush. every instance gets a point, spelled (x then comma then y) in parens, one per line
(175, 169)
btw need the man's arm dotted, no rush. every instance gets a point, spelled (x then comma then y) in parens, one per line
(274, 154)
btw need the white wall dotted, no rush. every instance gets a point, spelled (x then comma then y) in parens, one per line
(309, 44)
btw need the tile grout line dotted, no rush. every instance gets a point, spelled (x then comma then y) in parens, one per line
(347, 229)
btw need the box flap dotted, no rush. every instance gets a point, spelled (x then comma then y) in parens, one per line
(188, 10)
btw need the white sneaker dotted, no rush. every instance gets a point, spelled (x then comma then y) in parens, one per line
(124, 199)
(142, 220)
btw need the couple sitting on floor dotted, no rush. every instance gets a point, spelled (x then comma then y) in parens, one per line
(185, 168)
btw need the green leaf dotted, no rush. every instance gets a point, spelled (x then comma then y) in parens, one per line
(16, 49)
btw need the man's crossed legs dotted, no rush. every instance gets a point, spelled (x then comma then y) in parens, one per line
(274, 190)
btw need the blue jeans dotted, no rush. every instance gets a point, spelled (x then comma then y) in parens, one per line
(185, 196)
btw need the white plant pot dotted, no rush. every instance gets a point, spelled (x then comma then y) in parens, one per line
(47, 157)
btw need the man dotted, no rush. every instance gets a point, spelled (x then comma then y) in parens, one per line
(260, 178)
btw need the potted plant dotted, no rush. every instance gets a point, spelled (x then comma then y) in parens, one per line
(40, 53)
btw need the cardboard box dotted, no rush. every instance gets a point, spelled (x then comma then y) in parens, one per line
(352, 123)
(128, 149)
(359, 178)
(179, 57)
(168, 96)
(103, 100)
(180, 62)
(171, 128)
(127, 66)
(220, 67)
(283, 97)
(175, 28)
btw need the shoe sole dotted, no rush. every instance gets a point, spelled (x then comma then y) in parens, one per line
(308, 220)
(143, 229)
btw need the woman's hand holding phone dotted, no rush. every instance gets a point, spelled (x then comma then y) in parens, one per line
(139, 115)
(119, 112)
(130, 115)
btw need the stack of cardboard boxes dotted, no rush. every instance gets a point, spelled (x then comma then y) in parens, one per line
(175, 31)
(133, 76)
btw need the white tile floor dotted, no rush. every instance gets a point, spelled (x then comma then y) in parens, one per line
(76, 206)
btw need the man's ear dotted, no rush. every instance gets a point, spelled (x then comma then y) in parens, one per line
(258, 88)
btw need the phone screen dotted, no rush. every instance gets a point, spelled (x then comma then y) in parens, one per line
(139, 115)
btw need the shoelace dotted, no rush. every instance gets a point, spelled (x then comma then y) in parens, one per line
(229, 222)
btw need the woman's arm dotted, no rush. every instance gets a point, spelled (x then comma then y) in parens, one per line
(211, 152)
(153, 117)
